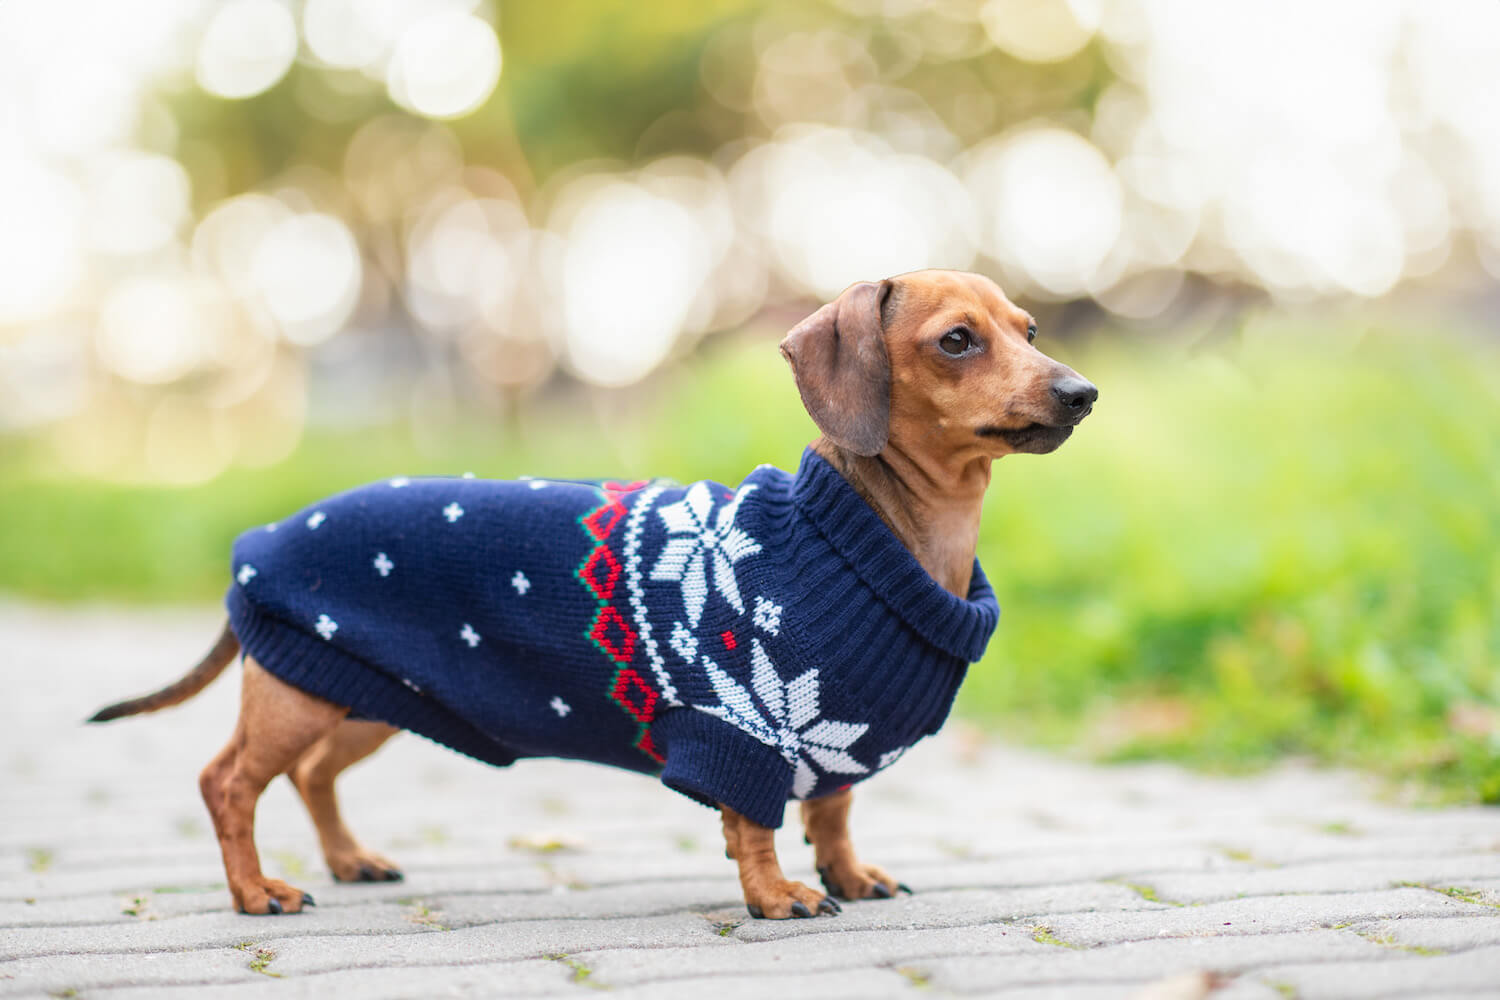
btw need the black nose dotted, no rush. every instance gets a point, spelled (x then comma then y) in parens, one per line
(1074, 393)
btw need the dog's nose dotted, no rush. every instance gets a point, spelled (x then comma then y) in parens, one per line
(1074, 393)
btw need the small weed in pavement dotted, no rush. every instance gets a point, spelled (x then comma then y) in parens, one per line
(260, 958)
(1389, 941)
(915, 976)
(1148, 893)
(1042, 934)
(582, 974)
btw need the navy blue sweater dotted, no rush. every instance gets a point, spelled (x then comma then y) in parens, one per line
(750, 645)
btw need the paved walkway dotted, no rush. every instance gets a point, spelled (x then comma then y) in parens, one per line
(1034, 877)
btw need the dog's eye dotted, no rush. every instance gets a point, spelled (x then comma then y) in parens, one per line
(955, 341)
(1031, 334)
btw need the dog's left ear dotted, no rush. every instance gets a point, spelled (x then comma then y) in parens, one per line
(843, 372)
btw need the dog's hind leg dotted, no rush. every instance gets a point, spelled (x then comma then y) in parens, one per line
(314, 773)
(277, 724)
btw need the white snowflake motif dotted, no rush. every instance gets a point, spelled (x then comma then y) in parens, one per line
(890, 757)
(559, 706)
(326, 626)
(315, 519)
(383, 564)
(539, 484)
(399, 482)
(467, 634)
(684, 642)
(468, 475)
(767, 616)
(520, 582)
(246, 574)
(794, 727)
(272, 526)
(453, 512)
(694, 543)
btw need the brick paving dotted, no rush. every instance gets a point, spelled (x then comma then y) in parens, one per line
(1034, 876)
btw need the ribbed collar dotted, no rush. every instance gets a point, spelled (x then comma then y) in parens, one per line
(959, 627)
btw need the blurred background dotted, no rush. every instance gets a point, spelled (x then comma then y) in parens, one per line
(256, 251)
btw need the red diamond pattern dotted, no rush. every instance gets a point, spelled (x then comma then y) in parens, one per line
(601, 522)
(634, 695)
(601, 572)
(613, 634)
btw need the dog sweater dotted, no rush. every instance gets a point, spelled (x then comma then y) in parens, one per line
(750, 645)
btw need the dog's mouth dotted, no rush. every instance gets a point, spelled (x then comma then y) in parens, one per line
(1034, 439)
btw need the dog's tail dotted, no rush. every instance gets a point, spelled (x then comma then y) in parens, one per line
(196, 680)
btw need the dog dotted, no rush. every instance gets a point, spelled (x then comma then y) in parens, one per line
(778, 641)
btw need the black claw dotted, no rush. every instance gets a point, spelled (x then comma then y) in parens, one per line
(829, 905)
(307, 899)
(807, 840)
(880, 891)
(366, 874)
(903, 887)
(755, 911)
(829, 883)
(274, 906)
(728, 855)
(799, 909)
(394, 875)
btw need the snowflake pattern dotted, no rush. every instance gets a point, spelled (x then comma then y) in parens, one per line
(399, 482)
(767, 616)
(520, 582)
(890, 757)
(794, 727)
(467, 634)
(316, 519)
(693, 544)
(684, 642)
(453, 512)
(383, 564)
(559, 706)
(326, 626)
(246, 574)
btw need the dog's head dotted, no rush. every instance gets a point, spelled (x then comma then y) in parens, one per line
(933, 360)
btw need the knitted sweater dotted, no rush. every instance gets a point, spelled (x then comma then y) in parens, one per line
(750, 645)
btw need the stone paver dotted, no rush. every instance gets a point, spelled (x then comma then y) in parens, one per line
(1035, 877)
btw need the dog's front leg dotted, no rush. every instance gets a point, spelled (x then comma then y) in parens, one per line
(768, 893)
(826, 821)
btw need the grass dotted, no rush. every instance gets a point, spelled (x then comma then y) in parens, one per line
(1283, 542)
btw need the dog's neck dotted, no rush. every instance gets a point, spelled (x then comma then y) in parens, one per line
(932, 508)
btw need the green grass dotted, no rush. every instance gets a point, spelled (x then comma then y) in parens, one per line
(1285, 542)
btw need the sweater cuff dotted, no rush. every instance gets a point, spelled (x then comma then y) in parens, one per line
(713, 762)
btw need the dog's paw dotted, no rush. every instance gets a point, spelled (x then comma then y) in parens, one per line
(271, 896)
(782, 898)
(854, 880)
(360, 865)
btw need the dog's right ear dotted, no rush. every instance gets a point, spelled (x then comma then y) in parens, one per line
(843, 372)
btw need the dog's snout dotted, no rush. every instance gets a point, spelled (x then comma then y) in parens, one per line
(1076, 394)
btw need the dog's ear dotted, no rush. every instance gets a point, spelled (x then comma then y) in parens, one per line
(843, 372)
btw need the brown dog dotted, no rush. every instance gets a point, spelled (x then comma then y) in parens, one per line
(918, 383)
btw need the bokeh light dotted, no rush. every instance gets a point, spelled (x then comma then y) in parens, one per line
(445, 65)
(249, 45)
(307, 270)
